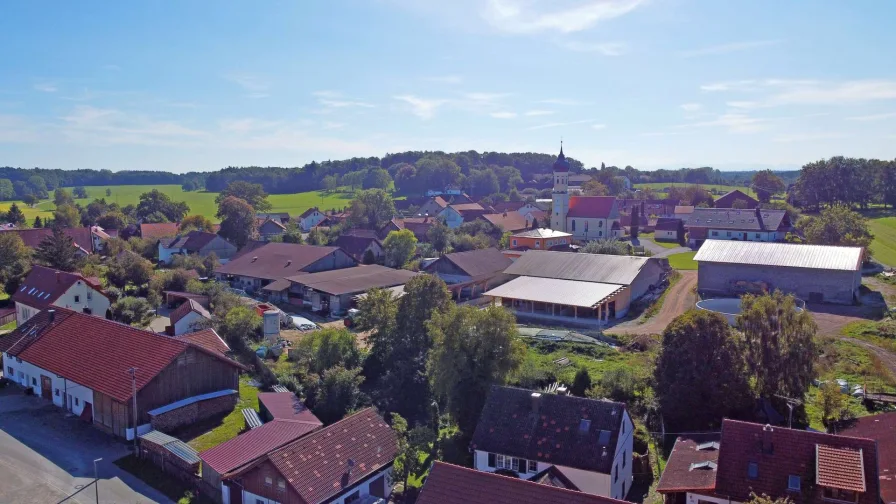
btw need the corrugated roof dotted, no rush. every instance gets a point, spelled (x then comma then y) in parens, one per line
(791, 255)
(553, 290)
(354, 280)
(273, 261)
(601, 268)
(175, 446)
(542, 233)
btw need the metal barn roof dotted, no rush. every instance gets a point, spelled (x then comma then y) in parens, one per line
(581, 267)
(557, 291)
(791, 255)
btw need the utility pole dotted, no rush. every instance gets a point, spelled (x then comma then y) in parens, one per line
(133, 372)
(96, 480)
(790, 405)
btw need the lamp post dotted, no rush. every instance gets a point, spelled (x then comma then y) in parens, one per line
(96, 480)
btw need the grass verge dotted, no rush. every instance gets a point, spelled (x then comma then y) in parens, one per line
(232, 424)
(683, 261)
(654, 308)
(153, 476)
(8, 327)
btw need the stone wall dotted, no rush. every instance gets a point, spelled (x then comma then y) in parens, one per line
(186, 415)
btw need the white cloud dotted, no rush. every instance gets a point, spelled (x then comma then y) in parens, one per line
(728, 48)
(873, 117)
(255, 86)
(742, 104)
(503, 115)
(691, 107)
(604, 48)
(485, 97)
(558, 124)
(598, 126)
(330, 125)
(335, 99)
(521, 16)
(533, 113)
(734, 123)
(780, 92)
(92, 125)
(17, 129)
(563, 101)
(421, 107)
(445, 79)
(46, 87)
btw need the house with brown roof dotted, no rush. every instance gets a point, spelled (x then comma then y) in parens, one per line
(469, 274)
(310, 218)
(332, 291)
(348, 461)
(727, 200)
(455, 215)
(432, 207)
(691, 467)
(82, 238)
(190, 316)
(451, 484)
(159, 230)
(589, 442)
(882, 429)
(669, 229)
(91, 366)
(281, 217)
(513, 221)
(268, 264)
(420, 226)
(356, 243)
(195, 242)
(803, 466)
(46, 288)
(269, 228)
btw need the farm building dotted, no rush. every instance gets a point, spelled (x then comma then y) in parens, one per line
(669, 229)
(732, 224)
(587, 288)
(815, 273)
(728, 200)
(266, 265)
(332, 291)
(469, 274)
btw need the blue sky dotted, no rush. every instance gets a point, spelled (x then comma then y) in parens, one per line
(199, 85)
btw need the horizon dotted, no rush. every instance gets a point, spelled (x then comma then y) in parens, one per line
(655, 84)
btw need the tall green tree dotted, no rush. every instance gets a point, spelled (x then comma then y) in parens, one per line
(57, 250)
(132, 311)
(237, 220)
(67, 216)
(80, 192)
(37, 223)
(15, 215)
(780, 344)
(838, 225)
(113, 220)
(15, 260)
(339, 393)
(317, 237)
(328, 348)
(62, 197)
(129, 269)
(197, 223)
(411, 443)
(377, 178)
(472, 350)
(253, 194)
(439, 236)
(155, 204)
(399, 247)
(767, 184)
(701, 376)
(372, 209)
(239, 325)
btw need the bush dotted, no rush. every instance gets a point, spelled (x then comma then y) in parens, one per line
(133, 311)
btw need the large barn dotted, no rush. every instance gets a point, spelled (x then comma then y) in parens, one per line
(814, 273)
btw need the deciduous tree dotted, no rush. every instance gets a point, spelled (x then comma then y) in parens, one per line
(237, 220)
(838, 225)
(67, 216)
(767, 184)
(339, 393)
(328, 348)
(372, 209)
(132, 311)
(15, 260)
(129, 269)
(197, 223)
(608, 246)
(439, 236)
(253, 194)
(80, 192)
(399, 247)
(155, 204)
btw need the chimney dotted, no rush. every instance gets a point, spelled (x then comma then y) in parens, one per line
(767, 447)
(51, 315)
(536, 402)
(349, 464)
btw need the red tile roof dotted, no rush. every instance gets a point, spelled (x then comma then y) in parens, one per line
(158, 230)
(779, 452)
(33, 237)
(190, 305)
(508, 221)
(692, 465)
(43, 286)
(451, 484)
(881, 428)
(315, 465)
(249, 446)
(286, 406)
(595, 207)
(840, 468)
(94, 352)
(207, 339)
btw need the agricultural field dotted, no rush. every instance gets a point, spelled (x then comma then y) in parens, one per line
(720, 189)
(201, 202)
(883, 248)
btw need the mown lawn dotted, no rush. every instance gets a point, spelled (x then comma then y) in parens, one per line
(683, 261)
(661, 243)
(233, 423)
(883, 248)
(201, 202)
(8, 327)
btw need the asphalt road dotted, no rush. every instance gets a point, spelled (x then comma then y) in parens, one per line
(46, 457)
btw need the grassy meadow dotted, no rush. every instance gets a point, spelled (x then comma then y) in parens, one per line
(721, 189)
(201, 202)
(683, 261)
(883, 248)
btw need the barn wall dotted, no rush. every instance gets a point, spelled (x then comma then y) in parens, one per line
(837, 286)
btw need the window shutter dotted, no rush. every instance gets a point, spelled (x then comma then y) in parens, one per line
(491, 460)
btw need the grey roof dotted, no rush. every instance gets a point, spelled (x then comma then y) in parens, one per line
(175, 446)
(732, 218)
(487, 261)
(354, 280)
(554, 290)
(582, 267)
(791, 255)
(542, 233)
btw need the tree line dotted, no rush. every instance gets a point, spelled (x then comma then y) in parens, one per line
(854, 182)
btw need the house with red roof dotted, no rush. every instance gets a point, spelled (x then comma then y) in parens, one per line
(159, 230)
(802, 466)
(348, 461)
(91, 367)
(190, 316)
(81, 236)
(586, 443)
(195, 242)
(585, 217)
(45, 288)
(881, 428)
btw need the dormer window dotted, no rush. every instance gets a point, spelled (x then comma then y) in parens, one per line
(793, 483)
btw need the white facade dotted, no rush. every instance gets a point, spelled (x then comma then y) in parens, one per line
(527, 209)
(560, 201)
(77, 297)
(452, 218)
(251, 498)
(166, 254)
(665, 235)
(724, 234)
(64, 393)
(311, 220)
(357, 493)
(189, 323)
(693, 498)
(592, 228)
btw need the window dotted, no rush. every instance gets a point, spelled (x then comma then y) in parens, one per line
(533, 466)
(77, 299)
(729, 234)
(33, 380)
(600, 224)
(77, 402)
(10, 371)
(793, 483)
(491, 459)
(623, 459)
(268, 481)
(514, 242)
(57, 392)
(355, 497)
(573, 225)
(752, 470)
(600, 233)
(715, 233)
(757, 235)
(259, 501)
(616, 477)
(499, 461)
(586, 226)
(537, 244)
(840, 495)
(89, 295)
(281, 484)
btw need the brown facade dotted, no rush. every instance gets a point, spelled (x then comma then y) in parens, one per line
(256, 481)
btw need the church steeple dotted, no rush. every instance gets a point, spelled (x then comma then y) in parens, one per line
(561, 164)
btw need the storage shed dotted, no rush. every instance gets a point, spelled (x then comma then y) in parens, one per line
(814, 273)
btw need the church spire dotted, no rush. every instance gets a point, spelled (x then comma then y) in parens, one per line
(561, 164)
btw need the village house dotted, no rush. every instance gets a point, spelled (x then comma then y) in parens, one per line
(99, 237)
(81, 363)
(451, 484)
(190, 316)
(281, 217)
(803, 466)
(538, 239)
(668, 230)
(455, 215)
(587, 441)
(733, 224)
(356, 243)
(469, 274)
(268, 265)
(512, 221)
(348, 461)
(195, 242)
(269, 228)
(45, 288)
(587, 289)
(333, 291)
(159, 230)
(728, 200)
(81, 236)
(432, 207)
(310, 218)
(814, 273)
(585, 217)
(420, 226)
(882, 429)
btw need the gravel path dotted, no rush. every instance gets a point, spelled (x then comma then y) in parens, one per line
(678, 300)
(657, 250)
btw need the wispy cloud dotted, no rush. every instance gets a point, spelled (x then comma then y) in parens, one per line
(691, 107)
(331, 125)
(255, 86)
(17, 129)
(503, 115)
(734, 123)
(421, 107)
(728, 48)
(604, 48)
(563, 101)
(779, 92)
(598, 126)
(92, 125)
(521, 16)
(445, 79)
(534, 113)
(808, 137)
(873, 117)
(558, 124)
(46, 87)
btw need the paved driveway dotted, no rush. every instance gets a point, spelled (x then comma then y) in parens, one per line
(45, 457)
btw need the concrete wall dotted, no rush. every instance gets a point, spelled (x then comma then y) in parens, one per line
(836, 286)
(650, 274)
(28, 375)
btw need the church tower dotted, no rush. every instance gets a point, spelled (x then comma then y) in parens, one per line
(560, 195)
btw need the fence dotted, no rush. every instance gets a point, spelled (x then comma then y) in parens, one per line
(7, 315)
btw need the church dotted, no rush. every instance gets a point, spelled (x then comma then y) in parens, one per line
(585, 217)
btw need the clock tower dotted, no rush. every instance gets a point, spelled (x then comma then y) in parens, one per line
(560, 194)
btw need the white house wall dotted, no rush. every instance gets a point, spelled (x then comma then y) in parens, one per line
(188, 323)
(596, 228)
(762, 236)
(312, 220)
(622, 459)
(251, 498)
(25, 312)
(453, 219)
(587, 481)
(698, 499)
(88, 297)
(364, 488)
(25, 372)
(165, 254)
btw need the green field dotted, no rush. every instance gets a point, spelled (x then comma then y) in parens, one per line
(200, 202)
(883, 248)
(683, 261)
(721, 189)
